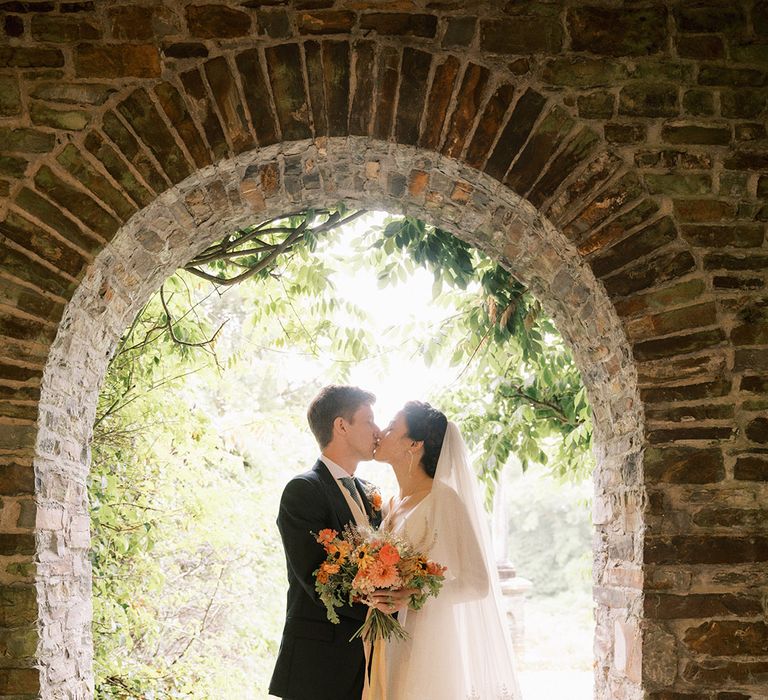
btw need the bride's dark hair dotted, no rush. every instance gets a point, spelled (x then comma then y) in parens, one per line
(426, 424)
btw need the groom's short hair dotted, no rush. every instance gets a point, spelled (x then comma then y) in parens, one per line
(333, 401)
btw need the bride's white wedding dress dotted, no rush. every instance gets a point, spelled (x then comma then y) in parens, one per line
(458, 646)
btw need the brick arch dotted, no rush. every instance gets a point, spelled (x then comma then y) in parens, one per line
(638, 132)
(280, 178)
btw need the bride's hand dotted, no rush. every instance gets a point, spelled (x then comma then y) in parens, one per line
(391, 601)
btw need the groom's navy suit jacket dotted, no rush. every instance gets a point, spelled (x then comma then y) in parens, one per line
(316, 660)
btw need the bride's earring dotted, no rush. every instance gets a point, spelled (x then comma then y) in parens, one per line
(410, 465)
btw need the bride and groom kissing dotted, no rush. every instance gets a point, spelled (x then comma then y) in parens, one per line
(457, 646)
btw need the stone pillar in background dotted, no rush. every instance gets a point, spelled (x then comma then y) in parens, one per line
(513, 587)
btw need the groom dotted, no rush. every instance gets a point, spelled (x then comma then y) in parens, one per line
(316, 660)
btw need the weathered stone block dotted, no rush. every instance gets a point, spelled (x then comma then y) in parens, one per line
(732, 77)
(568, 160)
(707, 549)
(648, 100)
(459, 31)
(542, 145)
(175, 109)
(661, 606)
(734, 235)
(288, 90)
(710, 16)
(728, 638)
(16, 479)
(67, 120)
(757, 430)
(715, 673)
(749, 468)
(185, 49)
(704, 210)
(438, 103)
(399, 24)
(362, 99)
(747, 160)
(274, 22)
(326, 22)
(624, 133)
(678, 184)
(26, 140)
(662, 299)
(652, 272)
(63, 30)
(678, 345)
(10, 97)
(750, 132)
(413, 92)
(30, 57)
(490, 123)
(637, 245)
(72, 93)
(117, 60)
(742, 104)
(696, 134)
(516, 131)
(525, 34)
(217, 21)
(227, 98)
(626, 31)
(77, 202)
(139, 110)
(583, 72)
(699, 102)
(703, 46)
(257, 98)
(20, 682)
(683, 465)
(596, 105)
(470, 96)
(13, 25)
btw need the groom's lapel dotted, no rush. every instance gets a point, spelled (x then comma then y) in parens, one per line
(373, 516)
(340, 507)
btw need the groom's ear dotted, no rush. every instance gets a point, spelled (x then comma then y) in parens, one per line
(339, 425)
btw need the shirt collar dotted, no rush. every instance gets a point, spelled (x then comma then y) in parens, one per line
(337, 472)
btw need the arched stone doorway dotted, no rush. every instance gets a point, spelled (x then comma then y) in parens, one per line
(283, 178)
(637, 131)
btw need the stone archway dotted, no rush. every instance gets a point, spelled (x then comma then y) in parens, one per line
(366, 173)
(637, 130)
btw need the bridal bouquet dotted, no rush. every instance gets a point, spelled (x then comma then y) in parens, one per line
(364, 560)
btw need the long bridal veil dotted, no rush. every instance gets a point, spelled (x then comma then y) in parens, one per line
(471, 599)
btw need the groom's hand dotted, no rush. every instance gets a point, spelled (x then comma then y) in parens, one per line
(391, 601)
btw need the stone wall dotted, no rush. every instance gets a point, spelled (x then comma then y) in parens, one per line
(632, 134)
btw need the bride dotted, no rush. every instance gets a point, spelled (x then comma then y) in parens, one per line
(458, 647)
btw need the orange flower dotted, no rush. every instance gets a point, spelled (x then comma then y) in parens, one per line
(383, 575)
(376, 500)
(325, 537)
(388, 554)
(434, 569)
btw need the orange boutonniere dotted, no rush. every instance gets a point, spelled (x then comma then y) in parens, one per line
(374, 497)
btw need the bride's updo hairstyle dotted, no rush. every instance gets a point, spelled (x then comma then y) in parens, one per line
(428, 425)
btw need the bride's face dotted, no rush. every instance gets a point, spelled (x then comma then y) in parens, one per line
(394, 442)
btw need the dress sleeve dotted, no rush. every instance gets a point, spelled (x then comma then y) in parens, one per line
(457, 547)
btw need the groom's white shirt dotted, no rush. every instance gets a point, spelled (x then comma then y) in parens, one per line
(337, 472)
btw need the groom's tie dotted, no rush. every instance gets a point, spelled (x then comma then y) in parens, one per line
(349, 484)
